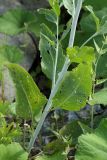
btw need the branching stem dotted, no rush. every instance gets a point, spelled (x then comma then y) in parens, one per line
(61, 75)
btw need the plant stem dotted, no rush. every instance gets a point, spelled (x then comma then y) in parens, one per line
(89, 39)
(92, 107)
(61, 75)
(56, 57)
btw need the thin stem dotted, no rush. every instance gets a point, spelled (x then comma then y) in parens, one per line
(92, 107)
(74, 23)
(59, 80)
(24, 133)
(56, 57)
(92, 117)
(89, 39)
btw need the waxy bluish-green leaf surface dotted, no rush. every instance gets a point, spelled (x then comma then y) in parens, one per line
(28, 97)
(48, 52)
(12, 152)
(93, 146)
(16, 21)
(74, 89)
(81, 55)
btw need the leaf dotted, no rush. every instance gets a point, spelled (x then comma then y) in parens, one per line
(71, 130)
(100, 97)
(70, 6)
(55, 146)
(94, 145)
(12, 151)
(17, 21)
(97, 5)
(74, 89)
(54, 4)
(81, 55)
(4, 107)
(97, 24)
(49, 14)
(85, 128)
(96, 19)
(11, 53)
(28, 97)
(57, 156)
(102, 67)
(48, 51)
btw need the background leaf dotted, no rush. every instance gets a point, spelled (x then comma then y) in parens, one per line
(94, 145)
(17, 21)
(28, 97)
(12, 151)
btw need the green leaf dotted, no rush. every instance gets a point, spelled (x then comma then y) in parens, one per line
(70, 6)
(4, 107)
(57, 156)
(71, 130)
(85, 128)
(95, 22)
(28, 97)
(94, 145)
(54, 4)
(100, 97)
(102, 67)
(81, 55)
(17, 21)
(97, 5)
(12, 152)
(11, 53)
(48, 51)
(96, 19)
(74, 89)
(55, 146)
(49, 14)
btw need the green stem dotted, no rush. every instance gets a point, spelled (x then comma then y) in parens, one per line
(59, 80)
(92, 107)
(56, 58)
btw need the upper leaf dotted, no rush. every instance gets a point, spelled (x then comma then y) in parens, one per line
(74, 89)
(28, 97)
(49, 14)
(94, 145)
(55, 5)
(48, 51)
(81, 55)
(70, 6)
